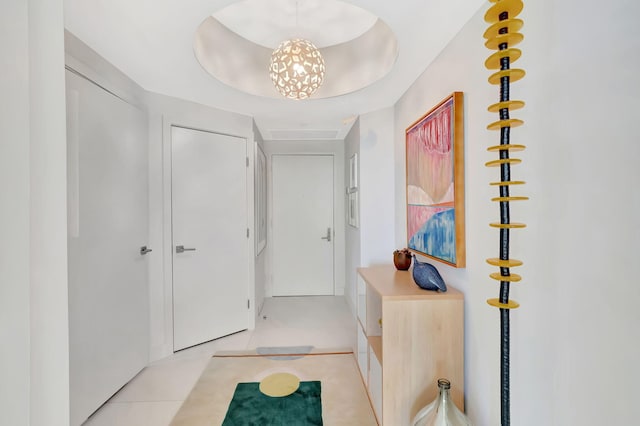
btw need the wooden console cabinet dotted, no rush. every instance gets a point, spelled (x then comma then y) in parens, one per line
(407, 339)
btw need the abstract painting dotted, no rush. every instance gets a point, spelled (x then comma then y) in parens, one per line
(435, 183)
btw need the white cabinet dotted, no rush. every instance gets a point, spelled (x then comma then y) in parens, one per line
(413, 337)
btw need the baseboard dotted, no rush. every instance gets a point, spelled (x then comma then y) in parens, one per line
(158, 352)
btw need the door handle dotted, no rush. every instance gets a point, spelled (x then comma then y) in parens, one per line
(328, 237)
(182, 249)
(144, 250)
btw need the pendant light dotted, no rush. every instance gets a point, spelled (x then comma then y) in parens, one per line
(296, 67)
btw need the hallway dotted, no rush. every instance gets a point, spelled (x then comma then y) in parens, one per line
(154, 396)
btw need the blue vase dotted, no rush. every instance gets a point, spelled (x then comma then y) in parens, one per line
(427, 276)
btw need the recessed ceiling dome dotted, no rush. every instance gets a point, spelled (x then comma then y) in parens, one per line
(235, 44)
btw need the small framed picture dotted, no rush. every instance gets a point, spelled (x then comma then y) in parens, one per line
(353, 173)
(352, 209)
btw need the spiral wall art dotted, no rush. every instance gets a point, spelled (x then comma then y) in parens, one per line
(501, 36)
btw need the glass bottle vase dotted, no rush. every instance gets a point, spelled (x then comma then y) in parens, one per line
(442, 411)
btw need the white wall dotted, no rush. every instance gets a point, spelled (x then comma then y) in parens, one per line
(336, 148)
(574, 339)
(14, 221)
(352, 235)
(89, 80)
(165, 111)
(373, 241)
(48, 236)
(261, 258)
(33, 265)
(377, 208)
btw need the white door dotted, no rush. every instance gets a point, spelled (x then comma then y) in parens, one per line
(108, 223)
(303, 231)
(210, 243)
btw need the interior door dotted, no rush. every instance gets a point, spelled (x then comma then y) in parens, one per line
(303, 231)
(107, 225)
(210, 242)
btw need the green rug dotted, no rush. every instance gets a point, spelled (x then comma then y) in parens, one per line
(250, 407)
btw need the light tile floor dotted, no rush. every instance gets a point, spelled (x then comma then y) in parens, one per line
(154, 396)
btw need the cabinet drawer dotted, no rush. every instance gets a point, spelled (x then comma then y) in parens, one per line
(361, 303)
(375, 383)
(362, 354)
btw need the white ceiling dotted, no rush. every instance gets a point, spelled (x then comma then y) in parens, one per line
(268, 23)
(152, 42)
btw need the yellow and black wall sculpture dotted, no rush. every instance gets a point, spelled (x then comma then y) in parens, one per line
(502, 35)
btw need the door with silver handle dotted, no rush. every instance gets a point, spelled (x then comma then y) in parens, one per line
(328, 236)
(182, 249)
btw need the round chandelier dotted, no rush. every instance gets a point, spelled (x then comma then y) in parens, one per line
(296, 68)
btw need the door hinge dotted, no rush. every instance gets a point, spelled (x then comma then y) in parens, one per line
(248, 304)
(247, 232)
(247, 161)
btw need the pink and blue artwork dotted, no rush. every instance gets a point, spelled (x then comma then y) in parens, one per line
(435, 187)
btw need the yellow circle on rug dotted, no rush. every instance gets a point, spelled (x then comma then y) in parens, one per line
(279, 384)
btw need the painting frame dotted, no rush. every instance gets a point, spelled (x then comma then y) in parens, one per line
(435, 183)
